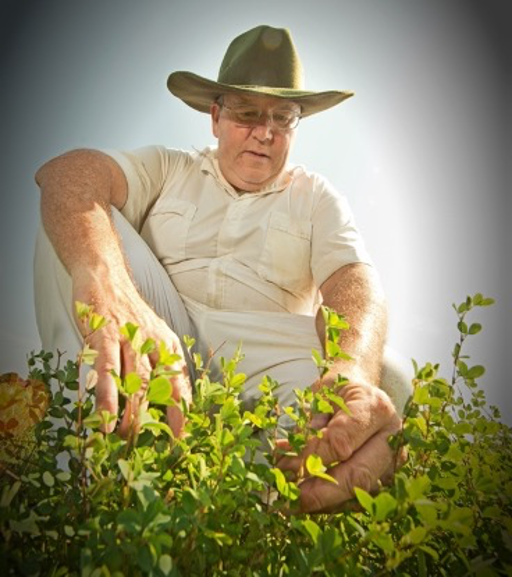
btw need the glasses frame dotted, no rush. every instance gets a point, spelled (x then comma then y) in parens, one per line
(268, 115)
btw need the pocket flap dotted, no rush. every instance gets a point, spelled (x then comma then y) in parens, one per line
(170, 205)
(282, 221)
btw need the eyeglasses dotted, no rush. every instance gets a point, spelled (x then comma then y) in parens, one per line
(247, 115)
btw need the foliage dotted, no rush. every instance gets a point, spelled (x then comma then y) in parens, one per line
(82, 501)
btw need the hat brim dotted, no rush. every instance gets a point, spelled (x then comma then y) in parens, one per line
(199, 93)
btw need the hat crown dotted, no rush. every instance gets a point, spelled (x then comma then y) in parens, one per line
(262, 56)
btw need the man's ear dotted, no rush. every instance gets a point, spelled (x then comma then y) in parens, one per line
(215, 113)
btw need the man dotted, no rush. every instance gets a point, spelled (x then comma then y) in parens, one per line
(251, 246)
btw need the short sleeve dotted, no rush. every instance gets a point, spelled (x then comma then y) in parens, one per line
(148, 171)
(336, 240)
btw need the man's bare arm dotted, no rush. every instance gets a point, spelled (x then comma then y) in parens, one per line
(78, 190)
(354, 291)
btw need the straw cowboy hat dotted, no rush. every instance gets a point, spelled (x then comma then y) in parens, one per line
(262, 61)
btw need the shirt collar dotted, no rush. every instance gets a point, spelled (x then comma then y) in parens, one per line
(210, 164)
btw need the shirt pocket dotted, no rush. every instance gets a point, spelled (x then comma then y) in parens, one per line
(285, 259)
(167, 228)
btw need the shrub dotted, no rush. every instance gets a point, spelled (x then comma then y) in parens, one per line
(80, 501)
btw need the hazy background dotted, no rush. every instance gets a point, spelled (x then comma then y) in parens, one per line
(423, 151)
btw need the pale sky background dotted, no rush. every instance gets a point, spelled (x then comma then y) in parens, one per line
(423, 151)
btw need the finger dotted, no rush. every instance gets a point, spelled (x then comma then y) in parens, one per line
(108, 359)
(282, 446)
(400, 456)
(130, 418)
(180, 383)
(181, 391)
(364, 470)
(176, 420)
(319, 421)
(181, 387)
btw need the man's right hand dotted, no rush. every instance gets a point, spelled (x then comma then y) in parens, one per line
(120, 303)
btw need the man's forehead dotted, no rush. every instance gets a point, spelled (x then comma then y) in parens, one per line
(260, 101)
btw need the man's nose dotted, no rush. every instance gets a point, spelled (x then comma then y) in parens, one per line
(264, 129)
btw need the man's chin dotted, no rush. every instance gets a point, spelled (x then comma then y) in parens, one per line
(254, 184)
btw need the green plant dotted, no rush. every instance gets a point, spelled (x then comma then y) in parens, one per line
(86, 502)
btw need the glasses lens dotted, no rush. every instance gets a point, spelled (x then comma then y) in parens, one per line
(285, 119)
(246, 115)
(251, 116)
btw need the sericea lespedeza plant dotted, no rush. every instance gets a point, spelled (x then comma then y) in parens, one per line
(76, 500)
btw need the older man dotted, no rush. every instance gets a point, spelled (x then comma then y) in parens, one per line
(246, 248)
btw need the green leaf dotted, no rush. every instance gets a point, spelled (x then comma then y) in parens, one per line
(417, 487)
(365, 499)
(317, 358)
(237, 380)
(337, 320)
(338, 399)
(421, 395)
(130, 521)
(63, 476)
(415, 536)
(287, 490)
(8, 493)
(48, 479)
(385, 504)
(220, 538)
(97, 322)
(475, 328)
(132, 383)
(463, 327)
(82, 310)
(477, 299)
(148, 346)
(316, 468)
(165, 564)
(166, 357)
(157, 426)
(475, 372)
(463, 368)
(332, 349)
(384, 541)
(93, 421)
(313, 529)
(129, 330)
(432, 552)
(486, 302)
(492, 512)
(125, 468)
(322, 406)
(88, 355)
(145, 559)
(427, 511)
(91, 380)
(159, 391)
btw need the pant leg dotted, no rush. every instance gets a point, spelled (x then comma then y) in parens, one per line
(53, 291)
(396, 378)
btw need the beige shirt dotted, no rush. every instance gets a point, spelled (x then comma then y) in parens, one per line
(247, 266)
(260, 251)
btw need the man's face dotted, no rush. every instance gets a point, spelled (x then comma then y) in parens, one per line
(251, 157)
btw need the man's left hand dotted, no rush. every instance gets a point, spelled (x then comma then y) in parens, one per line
(354, 447)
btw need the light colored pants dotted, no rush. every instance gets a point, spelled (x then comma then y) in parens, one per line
(57, 328)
